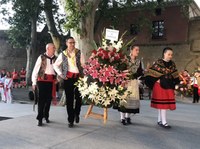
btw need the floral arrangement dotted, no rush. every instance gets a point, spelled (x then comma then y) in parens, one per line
(106, 75)
(184, 87)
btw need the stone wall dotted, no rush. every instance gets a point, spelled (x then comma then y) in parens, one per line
(10, 57)
(186, 55)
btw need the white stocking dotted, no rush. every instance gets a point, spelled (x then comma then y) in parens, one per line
(159, 115)
(127, 115)
(122, 115)
(164, 116)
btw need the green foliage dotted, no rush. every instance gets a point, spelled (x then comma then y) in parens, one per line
(24, 11)
(76, 12)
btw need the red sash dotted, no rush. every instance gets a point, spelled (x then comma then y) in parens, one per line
(72, 75)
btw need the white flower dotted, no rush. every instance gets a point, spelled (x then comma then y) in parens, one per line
(113, 92)
(93, 88)
(84, 79)
(106, 102)
(118, 46)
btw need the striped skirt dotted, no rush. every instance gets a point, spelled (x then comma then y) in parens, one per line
(163, 98)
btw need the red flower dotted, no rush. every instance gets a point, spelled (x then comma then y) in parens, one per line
(94, 74)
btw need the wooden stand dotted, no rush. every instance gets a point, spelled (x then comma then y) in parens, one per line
(103, 116)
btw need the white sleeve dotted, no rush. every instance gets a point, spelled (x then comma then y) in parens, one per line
(57, 65)
(36, 70)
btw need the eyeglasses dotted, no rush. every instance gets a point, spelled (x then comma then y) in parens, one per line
(71, 42)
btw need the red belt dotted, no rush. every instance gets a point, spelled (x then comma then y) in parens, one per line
(72, 75)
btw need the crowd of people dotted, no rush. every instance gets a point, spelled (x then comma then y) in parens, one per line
(9, 80)
(161, 77)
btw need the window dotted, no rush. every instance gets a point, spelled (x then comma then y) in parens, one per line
(134, 29)
(158, 29)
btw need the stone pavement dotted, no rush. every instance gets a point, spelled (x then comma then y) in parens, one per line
(22, 132)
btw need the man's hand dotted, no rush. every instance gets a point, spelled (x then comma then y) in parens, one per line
(33, 87)
(62, 77)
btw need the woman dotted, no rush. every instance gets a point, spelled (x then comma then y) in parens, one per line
(162, 77)
(132, 104)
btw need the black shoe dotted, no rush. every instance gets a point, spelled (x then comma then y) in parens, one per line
(128, 120)
(39, 123)
(70, 125)
(159, 123)
(77, 119)
(47, 120)
(166, 126)
(123, 121)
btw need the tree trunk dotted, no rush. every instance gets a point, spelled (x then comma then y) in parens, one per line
(51, 24)
(31, 51)
(85, 41)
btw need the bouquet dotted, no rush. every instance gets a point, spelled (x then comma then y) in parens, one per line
(105, 75)
(184, 87)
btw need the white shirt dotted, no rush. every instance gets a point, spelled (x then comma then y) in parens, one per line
(49, 69)
(71, 65)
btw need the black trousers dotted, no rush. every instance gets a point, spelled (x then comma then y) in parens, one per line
(72, 93)
(44, 101)
(195, 95)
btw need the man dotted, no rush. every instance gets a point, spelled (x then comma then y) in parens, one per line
(44, 76)
(71, 61)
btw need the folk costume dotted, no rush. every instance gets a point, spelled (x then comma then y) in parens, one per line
(44, 76)
(132, 104)
(163, 96)
(70, 65)
(196, 86)
(2, 80)
(7, 89)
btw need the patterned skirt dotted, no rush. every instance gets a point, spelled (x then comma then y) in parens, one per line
(163, 98)
(132, 104)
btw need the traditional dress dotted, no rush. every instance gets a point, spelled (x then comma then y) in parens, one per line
(163, 96)
(7, 89)
(132, 104)
(44, 76)
(2, 80)
(70, 66)
(196, 87)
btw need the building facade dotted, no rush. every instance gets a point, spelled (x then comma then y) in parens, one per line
(170, 27)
